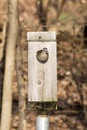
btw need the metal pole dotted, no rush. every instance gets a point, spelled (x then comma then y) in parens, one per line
(42, 123)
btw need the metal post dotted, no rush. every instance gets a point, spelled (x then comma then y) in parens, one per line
(42, 123)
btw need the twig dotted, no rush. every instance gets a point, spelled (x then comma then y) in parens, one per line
(2, 44)
(21, 92)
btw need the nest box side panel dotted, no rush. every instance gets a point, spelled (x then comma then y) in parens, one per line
(50, 74)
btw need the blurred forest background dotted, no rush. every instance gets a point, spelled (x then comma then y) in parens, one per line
(69, 19)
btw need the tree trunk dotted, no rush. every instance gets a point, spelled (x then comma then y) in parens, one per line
(9, 65)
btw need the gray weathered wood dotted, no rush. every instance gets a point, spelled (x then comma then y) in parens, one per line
(42, 77)
(41, 36)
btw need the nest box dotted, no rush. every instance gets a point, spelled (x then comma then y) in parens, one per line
(42, 67)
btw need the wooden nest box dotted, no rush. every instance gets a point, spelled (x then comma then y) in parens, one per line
(42, 68)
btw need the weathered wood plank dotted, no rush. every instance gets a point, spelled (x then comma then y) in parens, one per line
(42, 77)
(50, 74)
(41, 36)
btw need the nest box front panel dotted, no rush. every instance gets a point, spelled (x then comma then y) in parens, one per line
(42, 67)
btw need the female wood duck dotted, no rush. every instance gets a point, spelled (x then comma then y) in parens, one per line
(42, 55)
